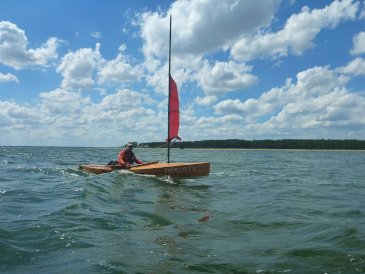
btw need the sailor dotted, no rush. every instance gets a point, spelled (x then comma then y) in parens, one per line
(127, 158)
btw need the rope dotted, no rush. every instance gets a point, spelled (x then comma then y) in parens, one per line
(153, 149)
(158, 148)
(159, 155)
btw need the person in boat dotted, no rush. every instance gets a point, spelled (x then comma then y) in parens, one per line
(127, 158)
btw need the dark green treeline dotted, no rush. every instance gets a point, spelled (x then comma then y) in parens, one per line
(266, 144)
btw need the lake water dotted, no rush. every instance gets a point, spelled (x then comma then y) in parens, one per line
(259, 211)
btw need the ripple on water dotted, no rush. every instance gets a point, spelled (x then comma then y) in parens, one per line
(260, 212)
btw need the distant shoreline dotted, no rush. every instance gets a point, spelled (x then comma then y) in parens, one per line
(176, 148)
(282, 149)
(285, 144)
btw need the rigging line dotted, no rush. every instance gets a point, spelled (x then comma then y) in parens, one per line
(152, 149)
(159, 155)
(172, 143)
(163, 150)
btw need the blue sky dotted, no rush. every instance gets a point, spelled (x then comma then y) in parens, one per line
(95, 73)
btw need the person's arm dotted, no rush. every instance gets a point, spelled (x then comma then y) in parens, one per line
(137, 161)
(120, 159)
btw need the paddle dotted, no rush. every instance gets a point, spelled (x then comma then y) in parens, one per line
(145, 164)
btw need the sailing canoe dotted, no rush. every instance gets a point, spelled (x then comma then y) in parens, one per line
(174, 170)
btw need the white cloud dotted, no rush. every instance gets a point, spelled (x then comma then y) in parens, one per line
(96, 34)
(15, 111)
(359, 43)
(8, 78)
(68, 116)
(122, 47)
(362, 14)
(316, 106)
(118, 70)
(200, 27)
(298, 33)
(13, 115)
(356, 67)
(124, 99)
(214, 80)
(203, 26)
(206, 101)
(13, 48)
(77, 68)
(62, 101)
(220, 121)
(224, 77)
(159, 78)
(203, 33)
(212, 127)
(339, 114)
(313, 82)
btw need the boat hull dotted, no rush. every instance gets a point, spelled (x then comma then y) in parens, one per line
(99, 169)
(174, 170)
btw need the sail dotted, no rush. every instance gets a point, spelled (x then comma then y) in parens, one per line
(174, 116)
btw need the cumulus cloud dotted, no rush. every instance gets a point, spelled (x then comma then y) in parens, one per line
(298, 33)
(77, 68)
(13, 115)
(62, 101)
(13, 48)
(118, 70)
(338, 114)
(223, 77)
(356, 67)
(317, 105)
(220, 121)
(124, 99)
(159, 79)
(203, 26)
(215, 80)
(200, 27)
(206, 101)
(69, 114)
(8, 78)
(313, 82)
(210, 127)
(18, 112)
(359, 44)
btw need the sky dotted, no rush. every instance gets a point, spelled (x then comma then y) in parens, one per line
(95, 73)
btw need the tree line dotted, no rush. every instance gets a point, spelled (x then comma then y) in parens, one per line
(350, 144)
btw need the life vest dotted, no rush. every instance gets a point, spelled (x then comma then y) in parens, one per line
(130, 156)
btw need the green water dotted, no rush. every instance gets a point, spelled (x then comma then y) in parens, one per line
(257, 212)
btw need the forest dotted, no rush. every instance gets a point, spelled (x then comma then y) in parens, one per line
(350, 144)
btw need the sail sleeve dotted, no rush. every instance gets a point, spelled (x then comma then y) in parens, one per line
(174, 121)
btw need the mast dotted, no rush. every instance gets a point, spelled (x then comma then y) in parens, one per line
(168, 110)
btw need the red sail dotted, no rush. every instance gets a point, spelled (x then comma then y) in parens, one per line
(174, 119)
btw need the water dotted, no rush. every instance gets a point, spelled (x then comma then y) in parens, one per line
(259, 211)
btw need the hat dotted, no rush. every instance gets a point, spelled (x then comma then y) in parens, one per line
(129, 144)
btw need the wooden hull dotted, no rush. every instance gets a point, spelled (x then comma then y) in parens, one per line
(174, 170)
(99, 169)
